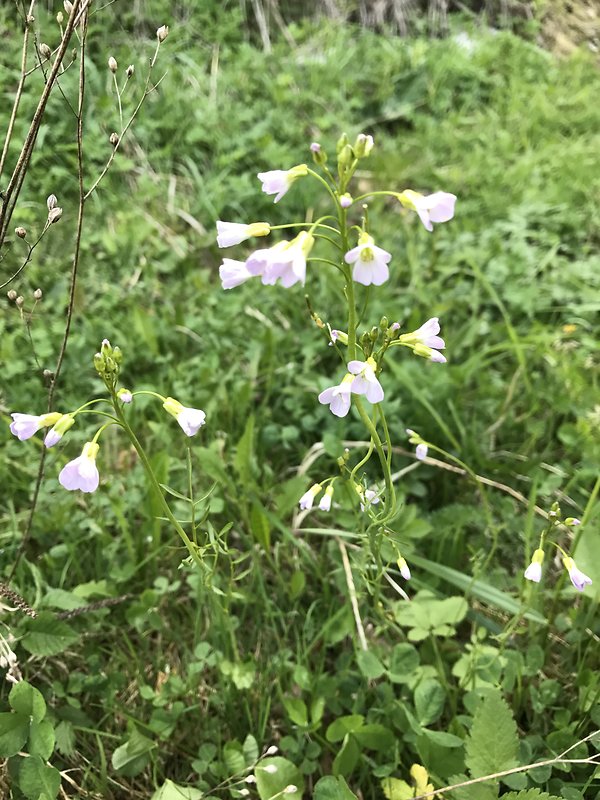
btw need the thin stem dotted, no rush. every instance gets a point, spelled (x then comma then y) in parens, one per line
(118, 99)
(353, 597)
(389, 486)
(375, 194)
(325, 184)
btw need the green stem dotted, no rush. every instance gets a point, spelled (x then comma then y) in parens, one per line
(374, 194)
(390, 500)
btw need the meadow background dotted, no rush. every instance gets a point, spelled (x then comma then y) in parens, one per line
(190, 678)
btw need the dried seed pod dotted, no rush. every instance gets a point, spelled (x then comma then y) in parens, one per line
(45, 51)
(38, 294)
(12, 295)
(51, 201)
(162, 33)
(112, 64)
(114, 139)
(21, 232)
(54, 215)
(130, 70)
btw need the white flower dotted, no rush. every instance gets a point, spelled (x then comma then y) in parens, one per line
(82, 473)
(190, 419)
(278, 181)
(404, 568)
(56, 433)
(230, 233)
(125, 396)
(338, 397)
(308, 498)
(365, 381)
(325, 504)
(425, 341)
(534, 572)
(24, 426)
(421, 451)
(233, 273)
(285, 261)
(578, 578)
(370, 262)
(436, 207)
(370, 498)
(363, 145)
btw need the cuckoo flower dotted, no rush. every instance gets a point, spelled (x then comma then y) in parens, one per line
(24, 426)
(125, 395)
(233, 273)
(230, 233)
(278, 181)
(578, 578)
(421, 446)
(338, 397)
(308, 498)
(369, 498)
(82, 473)
(534, 570)
(190, 419)
(404, 568)
(285, 262)
(56, 433)
(425, 341)
(325, 504)
(365, 381)
(370, 262)
(436, 207)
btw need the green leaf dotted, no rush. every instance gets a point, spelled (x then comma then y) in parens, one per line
(250, 749)
(493, 743)
(395, 789)
(65, 738)
(133, 756)
(14, 730)
(375, 737)
(429, 701)
(48, 636)
(27, 700)
(271, 783)
(486, 790)
(340, 727)
(233, 755)
(443, 739)
(370, 666)
(243, 460)
(332, 788)
(347, 757)
(297, 711)
(173, 791)
(529, 794)
(403, 663)
(38, 779)
(41, 739)
(259, 525)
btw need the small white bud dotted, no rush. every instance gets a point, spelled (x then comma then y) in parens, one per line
(114, 139)
(59, 18)
(20, 300)
(272, 750)
(45, 50)
(270, 768)
(21, 232)
(38, 294)
(12, 295)
(54, 215)
(51, 202)
(290, 789)
(249, 779)
(162, 33)
(130, 70)
(112, 64)
(244, 792)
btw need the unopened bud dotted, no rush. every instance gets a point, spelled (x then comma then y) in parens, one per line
(38, 294)
(105, 347)
(130, 70)
(117, 355)
(112, 64)
(19, 301)
(363, 145)
(30, 19)
(341, 143)
(51, 202)
(21, 232)
(59, 18)
(383, 323)
(345, 157)
(162, 33)
(271, 769)
(114, 139)
(99, 363)
(54, 215)
(272, 750)
(12, 295)
(48, 375)
(290, 789)
(346, 200)
(68, 6)
(45, 50)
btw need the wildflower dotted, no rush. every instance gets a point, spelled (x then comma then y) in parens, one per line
(56, 433)
(24, 426)
(369, 498)
(425, 342)
(346, 200)
(285, 261)
(365, 381)
(325, 504)
(370, 262)
(572, 522)
(338, 397)
(125, 395)
(363, 145)
(336, 336)
(436, 207)
(190, 419)
(404, 569)
(230, 233)
(82, 473)
(534, 570)
(421, 451)
(278, 181)
(578, 578)
(308, 498)
(315, 147)
(233, 273)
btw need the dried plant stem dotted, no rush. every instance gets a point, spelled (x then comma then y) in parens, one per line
(353, 598)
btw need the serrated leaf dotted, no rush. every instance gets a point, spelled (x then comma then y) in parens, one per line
(493, 743)
(429, 701)
(333, 788)
(27, 700)
(530, 794)
(38, 779)
(41, 739)
(173, 791)
(48, 636)
(270, 783)
(65, 738)
(14, 730)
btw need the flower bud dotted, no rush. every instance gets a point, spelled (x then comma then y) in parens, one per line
(117, 354)
(346, 200)
(12, 295)
(345, 157)
(51, 201)
(383, 323)
(290, 789)
(21, 232)
(19, 301)
(105, 348)
(59, 18)
(99, 363)
(341, 143)
(363, 145)
(272, 750)
(45, 51)
(162, 33)
(54, 215)
(114, 139)
(112, 64)
(38, 294)
(130, 70)
(30, 19)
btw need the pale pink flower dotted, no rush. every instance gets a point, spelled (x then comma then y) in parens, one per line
(436, 207)
(233, 273)
(24, 426)
(284, 262)
(308, 498)
(370, 262)
(425, 341)
(125, 396)
(190, 419)
(56, 433)
(404, 568)
(578, 578)
(338, 397)
(421, 451)
(366, 381)
(278, 181)
(370, 498)
(231, 233)
(346, 200)
(82, 473)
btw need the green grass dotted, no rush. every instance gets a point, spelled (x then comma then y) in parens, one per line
(265, 645)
